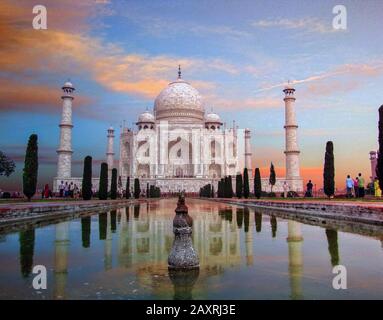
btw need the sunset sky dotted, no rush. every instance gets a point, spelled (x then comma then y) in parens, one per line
(238, 54)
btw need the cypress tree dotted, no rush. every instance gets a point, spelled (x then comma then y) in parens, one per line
(238, 186)
(113, 185)
(30, 168)
(27, 245)
(258, 221)
(136, 211)
(102, 225)
(212, 191)
(332, 240)
(137, 189)
(85, 231)
(127, 191)
(272, 178)
(103, 187)
(239, 217)
(329, 171)
(147, 191)
(257, 184)
(379, 167)
(113, 221)
(227, 186)
(246, 218)
(246, 188)
(230, 187)
(87, 179)
(273, 223)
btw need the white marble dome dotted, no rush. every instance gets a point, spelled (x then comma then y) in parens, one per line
(212, 118)
(145, 117)
(179, 101)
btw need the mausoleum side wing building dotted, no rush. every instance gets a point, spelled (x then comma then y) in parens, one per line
(178, 145)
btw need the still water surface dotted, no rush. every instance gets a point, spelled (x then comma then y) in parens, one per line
(244, 254)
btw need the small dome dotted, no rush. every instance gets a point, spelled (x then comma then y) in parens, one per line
(146, 117)
(111, 128)
(212, 118)
(68, 84)
(289, 86)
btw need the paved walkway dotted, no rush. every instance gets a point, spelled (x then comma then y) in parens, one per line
(53, 202)
(352, 203)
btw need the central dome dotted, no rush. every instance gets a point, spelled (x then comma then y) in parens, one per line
(179, 101)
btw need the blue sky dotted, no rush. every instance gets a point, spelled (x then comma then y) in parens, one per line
(238, 54)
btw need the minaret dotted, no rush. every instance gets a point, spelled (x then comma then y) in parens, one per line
(374, 162)
(248, 151)
(108, 244)
(61, 259)
(294, 241)
(292, 151)
(109, 151)
(64, 162)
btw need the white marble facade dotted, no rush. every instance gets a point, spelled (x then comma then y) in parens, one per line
(179, 146)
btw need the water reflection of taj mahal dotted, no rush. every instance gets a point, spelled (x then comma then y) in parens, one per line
(144, 241)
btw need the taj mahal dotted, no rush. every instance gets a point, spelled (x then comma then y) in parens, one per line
(179, 145)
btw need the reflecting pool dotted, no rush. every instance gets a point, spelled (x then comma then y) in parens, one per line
(244, 254)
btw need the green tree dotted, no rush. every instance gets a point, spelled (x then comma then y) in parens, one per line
(258, 221)
(238, 186)
(257, 184)
(113, 221)
(329, 170)
(272, 178)
(246, 188)
(85, 231)
(87, 179)
(147, 191)
(7, 166)
(27, 245)
(31, 166)
(273, 223)
(113, 185)
(103, 187)
(212, 191)
(230, 187)
(379, 167)
(127, 191)
(239, 214)
(332, 240)
(137, 189)
(219, 189)
(246, 218)
(102, 225)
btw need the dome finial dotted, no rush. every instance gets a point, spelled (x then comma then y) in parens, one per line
(179, 71)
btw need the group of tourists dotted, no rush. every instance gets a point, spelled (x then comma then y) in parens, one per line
(69, 190)
(355, 187)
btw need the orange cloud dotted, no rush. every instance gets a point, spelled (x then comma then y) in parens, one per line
(60, 51)
(18, 97)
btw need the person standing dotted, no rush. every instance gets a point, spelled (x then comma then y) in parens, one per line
(378, 191)
(66, 189)
(310, 189)
(285, 189)
(71, 189)
(349, 186)
(76, 191)
(361, 185)
(61, 189)
(46, 191)
(356, 187)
